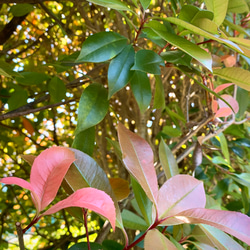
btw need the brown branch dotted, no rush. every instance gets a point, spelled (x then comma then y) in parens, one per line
(20, 235)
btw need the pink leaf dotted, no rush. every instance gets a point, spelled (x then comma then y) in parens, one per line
(214, 106)
(89, 198)
(222, 86)
(24, 184)
(48, 171)
(234, 104)
(156, 240)
(223, 112)
(234, 223)
(139, 160)
(179, 193)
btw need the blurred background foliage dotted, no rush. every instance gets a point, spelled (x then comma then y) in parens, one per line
(41, 86)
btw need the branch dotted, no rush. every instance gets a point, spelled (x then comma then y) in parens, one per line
(20, 235)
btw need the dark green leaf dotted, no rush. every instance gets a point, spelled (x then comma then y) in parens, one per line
(113, 4)
(93, 107)
(18, 99)
(32, 78)
(177, 57)
(101, 47)
(112, 245)
(159, 98)
(57, 89)
(168, 161)
(133, 221)
(85, 141)
(190, 48)
(21, 9)
(148, 61)
(238, 151)
(145, 3)
(84, 246)
(119, 68)
(141, 88)
(244, 142)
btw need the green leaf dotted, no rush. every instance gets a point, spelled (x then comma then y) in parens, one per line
(243, 99)
(241, 41)
(190, 13)
(168, 161)
(177, 57)
(144, 204)
(18, 99)
(85, 141)
(237, 6)
(119, 68)
(57, 89)
(190, 48)
(172, 132)
(21, 9)
(236, 75)
(206, 25)
(93, 107)
(236, 27)
(159, 98)
(111, 244)
(133, 221)
(242, 178)
(6, 69)
(112, 4)
(148, 61)
(84, 246)
(174, 115)
(201, 32)
(141, 89)
(101, 47)
(221, 161)
(219, 8)
(224, 147)
(116, 147)
(32, 78)
(243, 142)
(145, 3)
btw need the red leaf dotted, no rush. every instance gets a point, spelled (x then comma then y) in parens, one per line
(234, 104)
(48, 171)
(139, 160)
(223, 112)
(89, 198)
(221, 87)
(234, 223)
(179, 193)
(28, 126)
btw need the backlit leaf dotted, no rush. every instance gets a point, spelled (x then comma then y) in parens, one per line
(119, 68)
(113, 4)
(101, 47)
(145, 3)
(32, 78)
(89, 198)
(120, 188)
(93, 107)
(139, 160)
(237, 6)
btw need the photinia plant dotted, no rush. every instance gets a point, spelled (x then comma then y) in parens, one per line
(181, 199)
(47, 173)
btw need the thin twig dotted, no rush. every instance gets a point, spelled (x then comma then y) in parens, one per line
(20, 235)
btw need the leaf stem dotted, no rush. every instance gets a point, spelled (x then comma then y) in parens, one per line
(20, 235)
(85, 212)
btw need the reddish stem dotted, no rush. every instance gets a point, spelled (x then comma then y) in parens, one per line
(85, 212)
(138, 32)
(35, 220)
(208, 41)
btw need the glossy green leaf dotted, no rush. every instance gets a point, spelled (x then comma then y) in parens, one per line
(168, 161)
(101, 47)
(148, 61)
(177, 57)
(57, 89)
(145, 3)
(156, 240)
(219, 8)
(201, 32)
(224, 147)
(239, 76)
(112, 4)
(21, 9)
(188, 47)
(207, 25)
(241, 41)
(93, 107)
(144, 204)
(133, 221)
(119, 68)
(238, 151)
(237, 6)
(140, 86)
(242, 178)
(111, 244)
(221, 161)
(84, 246)
(243, 142)
(85, 141)
(190, 13)
(32, 78)
(159, 95)
(17, 99)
